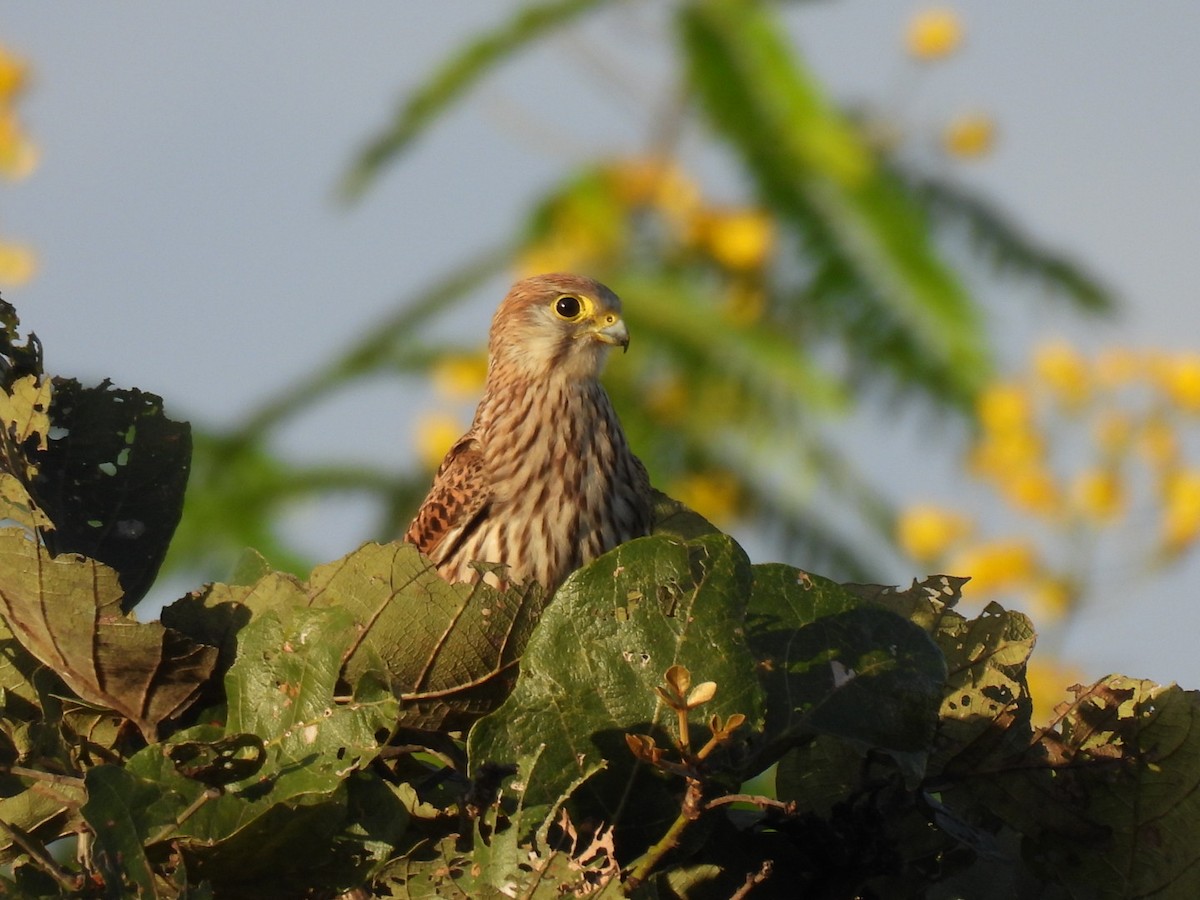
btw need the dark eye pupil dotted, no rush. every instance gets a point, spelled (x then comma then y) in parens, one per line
(567, 307)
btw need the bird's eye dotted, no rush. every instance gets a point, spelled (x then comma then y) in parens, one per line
(567, 307)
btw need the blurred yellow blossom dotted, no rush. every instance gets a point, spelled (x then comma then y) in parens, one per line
(1030, 488)
(1004, 406)
(17, 264)
(1113, 431)
(996, 565)
(1098, 494)
(460, 377)
(1117, 366)
(714, 494)
(739, 239)
(14, 73)
(1061, 368)
(435, 435)
(659, 183)
(1180, 379)
(1157, 442)
(969, 136)
(1181, 509)
(1051, 598)
(925, 532)
(18, 156)
(1049, 685)
(997, 457)
(933, 33)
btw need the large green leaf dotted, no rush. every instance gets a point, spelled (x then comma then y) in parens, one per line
(589, 674)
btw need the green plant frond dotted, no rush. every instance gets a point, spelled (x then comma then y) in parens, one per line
(688, 325)
(452, 80)
(820, 177)
(1011, 252)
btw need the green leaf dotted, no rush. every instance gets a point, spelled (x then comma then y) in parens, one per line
(1008, 249)
(818, 173)
(453, 79)
(115, 803)
(986, 707)
(589, 674)
(834, 666)
(282, 689)
(66, 611)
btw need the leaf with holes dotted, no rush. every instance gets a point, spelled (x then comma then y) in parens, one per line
(589, 674)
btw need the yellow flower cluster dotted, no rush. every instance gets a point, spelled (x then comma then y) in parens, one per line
(18, 157)
(598, 221)
(933, 34)
(714, 493)
(1070, 444)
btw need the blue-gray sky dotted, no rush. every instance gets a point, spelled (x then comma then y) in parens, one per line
(190, 246)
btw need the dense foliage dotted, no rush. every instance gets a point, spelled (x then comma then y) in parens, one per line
(366, 728)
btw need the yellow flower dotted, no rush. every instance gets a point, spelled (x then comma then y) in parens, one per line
(1049, 682)
(739, 239)
(969, 136)
(1031, 488)
(18, 155)
(1060, 367)
(460, 377)
(714, 494)
(1004, 407)
(13, 75)
(1099, 494)
(1117, 366)
(17, 264)
(996, 565)
(996, 457)
(926, 532)
(1157, 442)
(1113, 431)
(1180, 377)
(1181, 510)
(436, 434)
(933, 34)
(1051, 598)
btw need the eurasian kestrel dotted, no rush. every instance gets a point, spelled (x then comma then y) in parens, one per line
(544, 480)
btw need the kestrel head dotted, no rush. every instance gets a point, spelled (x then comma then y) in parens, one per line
(553, 326)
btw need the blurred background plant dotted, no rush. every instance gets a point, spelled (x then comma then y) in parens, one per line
(790, 267)
(18, 159)
(822, 274)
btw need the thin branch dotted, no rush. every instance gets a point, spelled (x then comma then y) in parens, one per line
(787, 807)
(753, 879)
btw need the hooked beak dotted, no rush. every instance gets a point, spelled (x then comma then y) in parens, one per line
(611, 330)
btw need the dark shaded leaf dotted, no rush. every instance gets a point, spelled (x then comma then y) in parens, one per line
(834, 666)
(112, 479)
